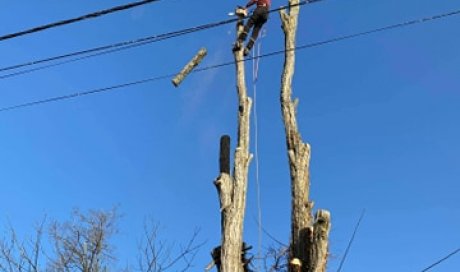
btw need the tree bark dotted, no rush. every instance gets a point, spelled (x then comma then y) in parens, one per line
(177, 80)
(232, 189)
(309, 240)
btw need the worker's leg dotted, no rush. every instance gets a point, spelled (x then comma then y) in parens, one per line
(242, 37)
(254, 36)
(262, 17)
(247, 28)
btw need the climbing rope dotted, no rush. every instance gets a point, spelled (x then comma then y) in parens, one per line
(255, 74)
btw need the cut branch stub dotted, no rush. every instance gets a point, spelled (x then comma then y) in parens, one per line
(320, 241)
(224, 185)
(224, 159)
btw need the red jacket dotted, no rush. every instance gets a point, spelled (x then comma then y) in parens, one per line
(260, 3)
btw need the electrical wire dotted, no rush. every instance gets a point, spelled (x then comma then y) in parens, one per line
(110, 48)
(298, 48)
(93, 91)
(76, 19)
(365, 33)
(351, 240)
(78, 59)
(442, 260)
(119, 46)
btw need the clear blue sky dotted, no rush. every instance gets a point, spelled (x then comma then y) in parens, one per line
(381, 113)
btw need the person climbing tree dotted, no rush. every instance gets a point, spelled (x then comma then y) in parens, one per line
(258, 18)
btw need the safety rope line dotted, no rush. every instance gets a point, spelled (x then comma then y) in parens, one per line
(255, 76)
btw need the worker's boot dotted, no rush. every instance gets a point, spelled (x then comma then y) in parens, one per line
(246, 51)
(239, 43)
(249, 46)
(237, 46)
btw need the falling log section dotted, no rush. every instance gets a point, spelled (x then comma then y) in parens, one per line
(189, 67)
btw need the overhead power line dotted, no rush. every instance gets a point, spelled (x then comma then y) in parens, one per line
(298, 48)
(115, 47)
(103, 50)
(441, 260)
(76, 19)
(347, 250)
(74, 95)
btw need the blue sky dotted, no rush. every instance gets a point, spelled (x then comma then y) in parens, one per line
(381, 113)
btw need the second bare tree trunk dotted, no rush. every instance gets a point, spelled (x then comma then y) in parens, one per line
(309, 237)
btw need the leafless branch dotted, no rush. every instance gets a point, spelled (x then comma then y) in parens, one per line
(19, 256)
(156, 256)
(82, 243)
(276, 259)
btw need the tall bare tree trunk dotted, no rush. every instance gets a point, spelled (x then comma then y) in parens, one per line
(309, 237)
(232, 189)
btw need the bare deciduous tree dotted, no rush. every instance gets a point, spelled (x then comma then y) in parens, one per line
(308, 248)
(82, 243)
(157, 256)
(276, 259)
(21, 256)
(309, 236)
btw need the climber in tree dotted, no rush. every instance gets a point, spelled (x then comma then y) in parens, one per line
(258, 18)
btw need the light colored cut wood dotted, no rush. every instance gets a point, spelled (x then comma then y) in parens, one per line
(177, 80)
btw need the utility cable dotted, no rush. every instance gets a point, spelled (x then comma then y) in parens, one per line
(93, 91)
(351, 240)
(76, 19)
(442, 260)
(298, 48)
(365, 33)
(110, 48)
(27, 71)
(119, 46)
